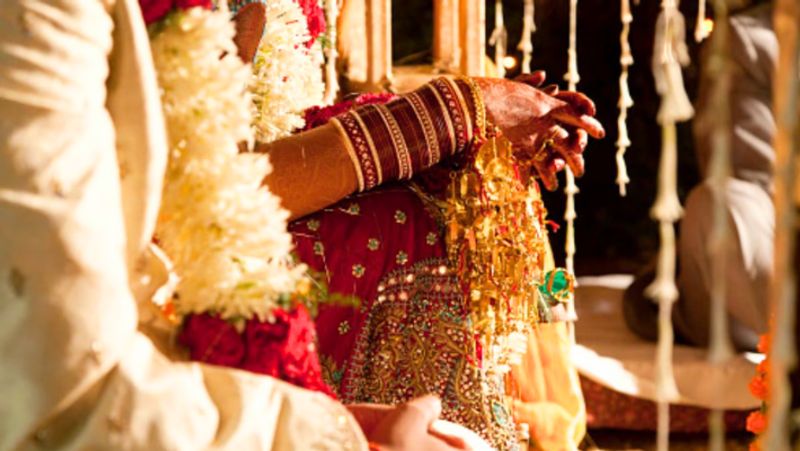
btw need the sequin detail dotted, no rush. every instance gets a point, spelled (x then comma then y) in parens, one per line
(401, 258)
(431, 238)
(373, 244)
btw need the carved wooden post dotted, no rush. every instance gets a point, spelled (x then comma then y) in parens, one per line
(446, 51)
(786, 105)
(473, 37)
(352, 47)
(379, 43)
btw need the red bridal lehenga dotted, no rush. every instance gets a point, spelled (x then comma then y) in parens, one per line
(410, 333)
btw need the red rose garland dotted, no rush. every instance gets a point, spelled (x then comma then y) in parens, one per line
(284, 348)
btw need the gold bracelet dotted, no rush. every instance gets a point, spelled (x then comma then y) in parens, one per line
(481, 123)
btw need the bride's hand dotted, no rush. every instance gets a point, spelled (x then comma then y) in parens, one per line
(406, 426)
(547, 127)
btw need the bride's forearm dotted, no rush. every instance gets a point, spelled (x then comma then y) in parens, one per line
(371, 145)
(310, 170)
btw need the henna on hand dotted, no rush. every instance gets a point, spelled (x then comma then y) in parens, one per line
(549, 128)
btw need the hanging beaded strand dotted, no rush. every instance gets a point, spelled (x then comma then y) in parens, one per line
(526, 42)
(625, 99)
(700, 30)
(669, 55)
(572, 77)
(499, 39)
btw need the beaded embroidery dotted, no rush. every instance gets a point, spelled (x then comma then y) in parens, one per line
(416, 340)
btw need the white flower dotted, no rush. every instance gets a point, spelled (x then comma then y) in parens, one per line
(224, 231)
(287, 75)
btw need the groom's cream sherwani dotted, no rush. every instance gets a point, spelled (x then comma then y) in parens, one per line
(82, 150)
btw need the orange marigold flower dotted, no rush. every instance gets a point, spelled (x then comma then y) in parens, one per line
(763, 367)
(758, 387)
(756, 423)
(755, 445)
(763, 343)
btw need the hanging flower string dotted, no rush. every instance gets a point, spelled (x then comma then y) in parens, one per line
(700, 30)
(239, 295)
(573, 78)
(669, 55)
(625, 99)
(526, 42)
(499, 39)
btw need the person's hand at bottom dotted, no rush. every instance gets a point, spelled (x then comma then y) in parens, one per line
(405, 427)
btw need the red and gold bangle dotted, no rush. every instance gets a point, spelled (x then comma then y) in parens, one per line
(414, 132)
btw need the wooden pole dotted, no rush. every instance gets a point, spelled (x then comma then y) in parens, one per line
(379, 43)
(473, 37)
(786, 21)
(718, 68)
(445, 35)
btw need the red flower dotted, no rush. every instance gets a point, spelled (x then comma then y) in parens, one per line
(264, 343)
(315, 18)
(155, 10)
(758, 387)
(211, 339)
(285, 349)
(186, 4)
(756, 423)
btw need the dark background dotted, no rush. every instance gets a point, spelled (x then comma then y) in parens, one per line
(613, 233)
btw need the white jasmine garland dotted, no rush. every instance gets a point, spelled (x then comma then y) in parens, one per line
(287, 75)
(224, 231)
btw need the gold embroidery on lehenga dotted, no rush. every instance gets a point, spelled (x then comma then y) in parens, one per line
(418, 339)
